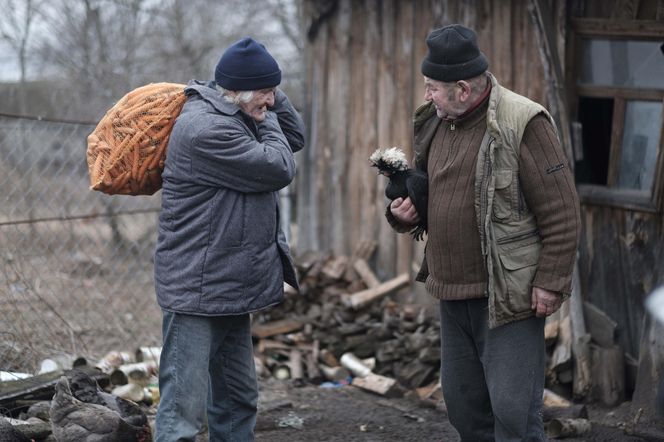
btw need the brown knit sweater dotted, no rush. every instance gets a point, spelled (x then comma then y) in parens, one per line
(456, 266)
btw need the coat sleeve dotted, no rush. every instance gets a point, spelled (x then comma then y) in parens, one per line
(548, 187)
(225, 154)
(289, 120)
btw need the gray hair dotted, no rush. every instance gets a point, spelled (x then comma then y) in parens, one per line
(235, 97)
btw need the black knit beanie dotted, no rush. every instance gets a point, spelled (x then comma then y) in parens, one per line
(247, 66)
(453, 54)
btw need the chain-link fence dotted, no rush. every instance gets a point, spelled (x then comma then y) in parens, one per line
(76, 265)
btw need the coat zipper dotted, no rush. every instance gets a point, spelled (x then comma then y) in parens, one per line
(484, 199)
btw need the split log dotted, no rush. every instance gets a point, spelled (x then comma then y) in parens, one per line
(328, 358)
(416, 374)
(311, 361)
(148, 354)
(360, 299)
(551, 327)
(430, 355)
(432, 390)
(270, 344)
(560, 428)
(601, 327)
(137, 373)
(364, 250)
(562, 354)
(289, 290)
(295, 364)
(366, 274)
(577, 411)
(580, 340)
(334, 268)
(551, 399)
(275, 328)
(608, 374)
(378, 384)
(389, 351)
(555, 406)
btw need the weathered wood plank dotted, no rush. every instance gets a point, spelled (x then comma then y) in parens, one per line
(601, 327)
(606, 28)
(401, 118)
(309, 185)
(651, 362)
(378, 384)
(502, 43)
(261, 331)
(336, 173)
(608, 374)
(386, 255)
(553, 71)
(365, 272)
(360, 299)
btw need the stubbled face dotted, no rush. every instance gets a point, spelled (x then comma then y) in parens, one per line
(444, 97)
(257, 107)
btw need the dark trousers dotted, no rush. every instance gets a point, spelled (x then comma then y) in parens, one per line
(492, 379)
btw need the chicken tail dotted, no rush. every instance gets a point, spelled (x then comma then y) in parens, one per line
(418, 233)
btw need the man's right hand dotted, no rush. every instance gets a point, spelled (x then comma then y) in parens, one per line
(404, 211)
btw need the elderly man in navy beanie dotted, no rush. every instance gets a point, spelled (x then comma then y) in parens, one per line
(221, 253)
(503, 227)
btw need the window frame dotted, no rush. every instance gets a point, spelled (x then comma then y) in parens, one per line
(594, 194)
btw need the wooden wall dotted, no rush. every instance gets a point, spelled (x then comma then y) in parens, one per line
(363, 83)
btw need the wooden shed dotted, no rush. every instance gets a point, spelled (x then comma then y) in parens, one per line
(598, 65)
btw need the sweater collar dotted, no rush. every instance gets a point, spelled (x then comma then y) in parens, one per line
(475, 112)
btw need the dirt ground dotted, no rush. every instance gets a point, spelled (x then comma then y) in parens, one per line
(344, 414)
(306, 413)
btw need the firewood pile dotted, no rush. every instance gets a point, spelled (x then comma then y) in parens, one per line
(344, 315)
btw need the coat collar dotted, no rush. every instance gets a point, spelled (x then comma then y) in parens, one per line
(209, 93)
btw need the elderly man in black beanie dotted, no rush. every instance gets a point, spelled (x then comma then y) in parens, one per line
(503, 219)
(221, 253)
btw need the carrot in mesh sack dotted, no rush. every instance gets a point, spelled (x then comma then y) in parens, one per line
(126, 151)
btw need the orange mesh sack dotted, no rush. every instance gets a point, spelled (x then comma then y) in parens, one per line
(126, 151)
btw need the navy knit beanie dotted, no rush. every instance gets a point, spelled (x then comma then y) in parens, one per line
(453, 54)
(247, 66)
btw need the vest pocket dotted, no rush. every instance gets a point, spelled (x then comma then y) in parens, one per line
(502, 202)
(519, 267)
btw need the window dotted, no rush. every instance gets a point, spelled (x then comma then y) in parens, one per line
(619, 113)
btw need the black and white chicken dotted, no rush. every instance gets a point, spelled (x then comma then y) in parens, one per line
(404, 182)
(103, 419)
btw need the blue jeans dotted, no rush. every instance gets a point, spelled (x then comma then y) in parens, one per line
(492, 379)
(206, 363)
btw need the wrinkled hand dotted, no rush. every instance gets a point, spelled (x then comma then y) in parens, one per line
(404, 211)
(545, 302)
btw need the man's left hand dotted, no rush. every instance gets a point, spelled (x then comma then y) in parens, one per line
(545, 302)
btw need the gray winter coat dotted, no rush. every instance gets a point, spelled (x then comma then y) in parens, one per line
(220, 249)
